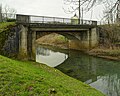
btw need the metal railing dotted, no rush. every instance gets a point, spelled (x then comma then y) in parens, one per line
(52, 20)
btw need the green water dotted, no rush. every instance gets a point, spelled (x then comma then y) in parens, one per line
(102, 74)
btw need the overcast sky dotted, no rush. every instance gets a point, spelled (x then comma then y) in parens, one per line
(48, 8)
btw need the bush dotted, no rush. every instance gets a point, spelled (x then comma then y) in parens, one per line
(11, 20)
(110, 35)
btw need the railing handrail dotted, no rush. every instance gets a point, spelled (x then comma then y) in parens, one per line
(21, 18)
(42, 16)
(53, 17)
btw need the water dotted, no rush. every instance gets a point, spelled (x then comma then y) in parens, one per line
(49, 57)
(102, 74)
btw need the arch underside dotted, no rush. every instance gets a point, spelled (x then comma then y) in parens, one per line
(71, 35)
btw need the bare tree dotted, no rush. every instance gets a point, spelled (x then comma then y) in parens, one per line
(9, 12)
(112, 12)
(110, 35)
(75, 6)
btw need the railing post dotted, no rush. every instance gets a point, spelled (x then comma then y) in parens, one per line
(43, 19)
(63, 20)
(53, 19)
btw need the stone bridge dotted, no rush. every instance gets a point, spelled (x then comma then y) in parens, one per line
(83, 36)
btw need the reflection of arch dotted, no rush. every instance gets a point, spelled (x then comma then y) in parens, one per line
(49, 57)
(80, 68)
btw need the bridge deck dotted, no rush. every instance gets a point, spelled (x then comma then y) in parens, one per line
(58, 27)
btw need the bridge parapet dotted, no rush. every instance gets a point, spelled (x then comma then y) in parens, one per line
(50, 20)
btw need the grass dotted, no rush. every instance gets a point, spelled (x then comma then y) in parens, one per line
(24, 78)
(5, 25)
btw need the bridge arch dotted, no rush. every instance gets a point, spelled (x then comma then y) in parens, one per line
(71, 35)
(79, 39)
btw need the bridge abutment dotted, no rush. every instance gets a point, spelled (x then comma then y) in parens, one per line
(27, 45)
(88, 40)
(94, 37)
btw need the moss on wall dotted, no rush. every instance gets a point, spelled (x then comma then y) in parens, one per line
(4, 33)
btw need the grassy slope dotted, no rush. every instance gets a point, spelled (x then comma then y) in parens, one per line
(4, 25)
(32, 79)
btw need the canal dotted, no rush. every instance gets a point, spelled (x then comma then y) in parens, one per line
(102, 74)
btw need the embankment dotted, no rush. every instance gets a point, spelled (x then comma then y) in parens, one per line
(112, 54)
(34, 79)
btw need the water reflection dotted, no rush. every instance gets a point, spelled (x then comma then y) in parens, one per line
(43, 51)
(49, 57)
(104, 75)
(99, 73)
(109, 85)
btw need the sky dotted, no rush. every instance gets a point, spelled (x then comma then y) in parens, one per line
(52, 8)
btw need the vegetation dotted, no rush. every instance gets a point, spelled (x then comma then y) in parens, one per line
(110, 35)
(109, 42)
(18, 78)
(109, 46)
(4, 33)
(6, 25)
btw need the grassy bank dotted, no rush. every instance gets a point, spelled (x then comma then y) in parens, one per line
(19, 78)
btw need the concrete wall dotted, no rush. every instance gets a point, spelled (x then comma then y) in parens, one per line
(94, 37)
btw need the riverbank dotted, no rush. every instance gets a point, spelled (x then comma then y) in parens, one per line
(30, 78)
(54, 40)
(112, 54)
(59, 41)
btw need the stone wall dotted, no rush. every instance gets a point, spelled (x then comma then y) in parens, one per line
(9, 42)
